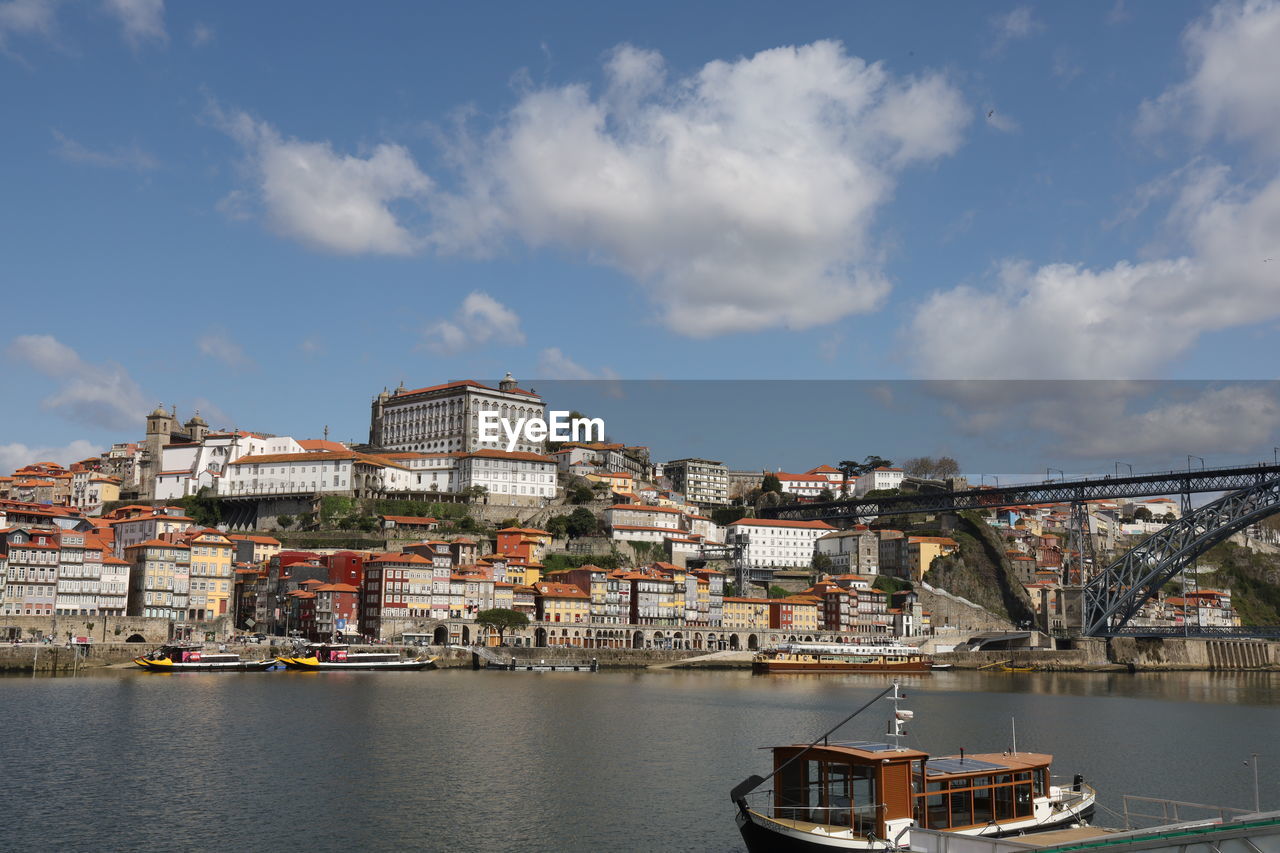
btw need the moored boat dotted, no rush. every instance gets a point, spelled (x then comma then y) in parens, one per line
(842, 657)
(337, 656)
(193, 658)
(862, 795)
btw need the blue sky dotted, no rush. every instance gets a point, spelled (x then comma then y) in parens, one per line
(271, 211)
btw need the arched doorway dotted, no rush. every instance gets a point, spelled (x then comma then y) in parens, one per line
(136, 638)
(540, 637)
(466, 636)
(677, 640)
(637, 640)
(697, 641)
(733, 642)
(752, 642)
(440, 636)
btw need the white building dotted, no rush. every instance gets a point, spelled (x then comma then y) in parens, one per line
(808, 486)
(326, 471)
(186, 468)
(779, 543)
(637, 515)
(855, 550)
(446, 418)
(878, 479)
(515, 478)
(702, 481)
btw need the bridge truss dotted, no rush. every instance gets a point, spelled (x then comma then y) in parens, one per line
(1112, 597)
(1054, 491)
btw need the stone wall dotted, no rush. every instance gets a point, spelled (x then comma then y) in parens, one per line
(99, 629)
(952, 611)
(1143, 653)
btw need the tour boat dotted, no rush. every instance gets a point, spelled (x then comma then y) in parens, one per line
(193, 658)
(842, 657)
(860, 795)
(333, 656)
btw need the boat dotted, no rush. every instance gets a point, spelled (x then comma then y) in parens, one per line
(337, 656)
(863, 795)
(842, 657)
(193, 658)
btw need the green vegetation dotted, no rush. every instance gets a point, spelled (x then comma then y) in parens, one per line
(648, 552)
(284, 522)
(580, 522)
(555, 562)
(776, 591)
(771, 483)
(502, 620)
(203, 508)
(980, 571)
(726, 515)
(890, 585)
(822, 563)
(1252, 577)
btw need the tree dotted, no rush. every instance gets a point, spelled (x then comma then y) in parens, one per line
(848, 470)
(284, 522)
(1142, 513)
(929, 468)
(558, 526)
(582, 495)
(776, 591)
(726, 515)
(475, 493)
(771, 483)
(501, 619)
(822, 563)
(826, 495)
(582, 522)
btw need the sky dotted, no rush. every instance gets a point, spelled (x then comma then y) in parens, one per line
(270, 212)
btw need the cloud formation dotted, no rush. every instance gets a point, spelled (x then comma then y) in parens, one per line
(741, 197)
(1131, 319)
(101, 395)
(1016, 24)
(336, 202)
(14, 456)
(27, 18)
(131, 158)
(480, 319)
(216, 343)
(140, 20)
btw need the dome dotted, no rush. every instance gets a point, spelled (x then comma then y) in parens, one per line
(159, 413)
(196, 420)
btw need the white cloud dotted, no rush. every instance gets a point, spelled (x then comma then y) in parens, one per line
(741, 197)
(202, 34)
(27, 18)
(97, 394)
(217, 343)
(14, 456)
(1132, 319)
(339, 203)
(1016, 24)
(131, 158)
(1232, 86)
(1118, 420)
(1002, 122)
(554, 364)
(479, 320)
(140, 20)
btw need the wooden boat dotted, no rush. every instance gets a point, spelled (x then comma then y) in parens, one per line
(336, 656)
(860, 795)
(842, 657)
(193, 658)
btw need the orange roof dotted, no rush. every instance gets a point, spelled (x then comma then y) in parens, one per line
(559, 590)
(336, 587)
(779, 522)
(464, 383)
(503, 454)
(321, 444)
(410, 519)
(158, 543)
(645, 508)
(402, 558)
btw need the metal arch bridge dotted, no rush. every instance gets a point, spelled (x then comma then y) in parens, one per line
(1114, 596)
(1054, 491)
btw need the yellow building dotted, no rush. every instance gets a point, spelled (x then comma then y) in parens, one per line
(794, 613)
(212, 558)
(746, 614)
(921, 551)
(522, 573)
(563, 603)
(158, 579)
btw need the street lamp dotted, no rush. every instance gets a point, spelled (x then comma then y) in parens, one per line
(1190, 457)
(1062, 474)
(1125, 464)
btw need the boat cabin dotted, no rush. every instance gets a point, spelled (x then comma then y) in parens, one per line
(191, 653)
(957, 792)
(872, 788)
(860, 785)
(328, 652)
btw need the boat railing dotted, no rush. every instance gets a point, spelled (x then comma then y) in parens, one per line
(862, 820)
(1164, 811)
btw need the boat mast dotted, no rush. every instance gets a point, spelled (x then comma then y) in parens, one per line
(900, 716)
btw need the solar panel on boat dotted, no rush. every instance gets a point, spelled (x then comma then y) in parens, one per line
(941, 766)
(864, 745)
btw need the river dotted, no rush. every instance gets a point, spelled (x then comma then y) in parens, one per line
(459, 760)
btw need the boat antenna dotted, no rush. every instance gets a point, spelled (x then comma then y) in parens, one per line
(1013, 725)
(900, 716)
(746, 786)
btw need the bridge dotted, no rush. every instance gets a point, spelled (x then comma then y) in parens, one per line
(1114, 596)
(1048, 492)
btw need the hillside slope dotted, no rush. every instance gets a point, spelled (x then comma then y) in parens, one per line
(981, 572)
